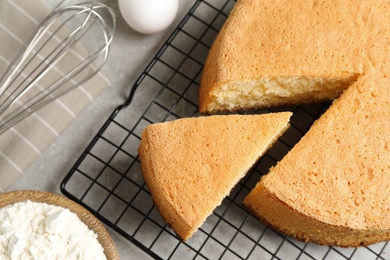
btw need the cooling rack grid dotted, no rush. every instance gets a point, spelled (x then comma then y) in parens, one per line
(107, 178)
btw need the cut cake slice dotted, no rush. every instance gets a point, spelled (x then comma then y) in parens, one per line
(333, 187)
(190, 165)
(271, 53)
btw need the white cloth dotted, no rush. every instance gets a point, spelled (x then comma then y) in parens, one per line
(21, 145)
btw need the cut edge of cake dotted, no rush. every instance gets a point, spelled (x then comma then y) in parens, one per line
(272, 92)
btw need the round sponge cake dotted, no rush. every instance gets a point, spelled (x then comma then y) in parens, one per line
(333, 187)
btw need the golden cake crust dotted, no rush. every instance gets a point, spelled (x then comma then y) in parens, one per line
(287, 220)
(191, 164)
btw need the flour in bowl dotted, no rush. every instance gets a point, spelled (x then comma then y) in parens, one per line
(32, 230)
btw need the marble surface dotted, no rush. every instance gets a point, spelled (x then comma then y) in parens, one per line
(129, 55)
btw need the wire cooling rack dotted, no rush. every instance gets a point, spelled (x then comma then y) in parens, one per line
(107, 178)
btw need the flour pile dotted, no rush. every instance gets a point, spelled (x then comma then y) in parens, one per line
(32, 230)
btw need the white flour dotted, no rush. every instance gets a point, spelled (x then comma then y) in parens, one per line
(31, 230)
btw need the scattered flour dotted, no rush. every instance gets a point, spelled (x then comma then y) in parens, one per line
(32, 230)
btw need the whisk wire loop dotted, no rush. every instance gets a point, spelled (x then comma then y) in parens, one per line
(45, 66)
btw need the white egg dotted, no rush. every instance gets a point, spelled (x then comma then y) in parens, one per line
(148, 16)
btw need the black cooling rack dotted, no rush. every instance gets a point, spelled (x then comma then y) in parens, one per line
(107, 178)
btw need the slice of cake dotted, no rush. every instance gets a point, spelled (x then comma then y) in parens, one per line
(333, 187)
(271, 53)
(191, 164)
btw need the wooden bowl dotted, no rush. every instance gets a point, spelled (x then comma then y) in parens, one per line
(85, 216)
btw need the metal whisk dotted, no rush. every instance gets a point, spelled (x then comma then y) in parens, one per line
(48, 65)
